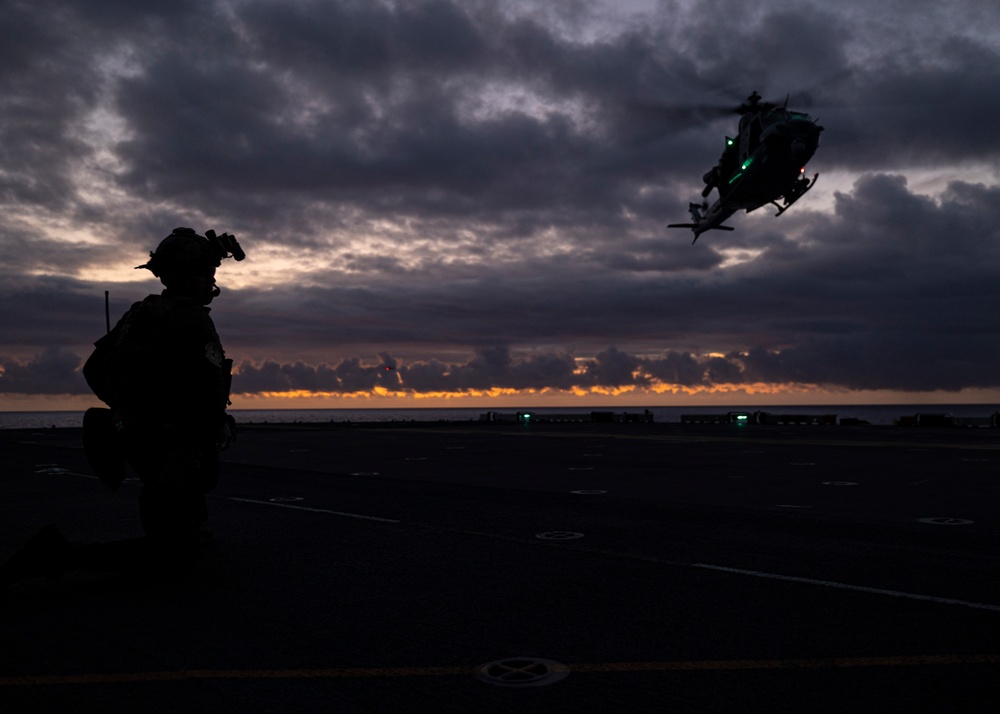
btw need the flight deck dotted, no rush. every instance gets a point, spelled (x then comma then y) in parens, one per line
(497, 567)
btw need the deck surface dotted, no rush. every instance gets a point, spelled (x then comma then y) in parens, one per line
(476, 567)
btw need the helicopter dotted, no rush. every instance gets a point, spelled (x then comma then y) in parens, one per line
(763, 164)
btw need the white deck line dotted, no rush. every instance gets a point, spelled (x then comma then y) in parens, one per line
(856, 588)
(313, 510)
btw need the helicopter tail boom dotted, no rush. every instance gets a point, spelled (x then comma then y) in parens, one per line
(705, 222)
(698, 230)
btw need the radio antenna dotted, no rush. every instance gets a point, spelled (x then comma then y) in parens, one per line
(107, 312)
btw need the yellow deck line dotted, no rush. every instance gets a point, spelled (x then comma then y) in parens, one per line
(365, 672)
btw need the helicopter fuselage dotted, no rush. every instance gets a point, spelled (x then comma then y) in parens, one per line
(770, 160)
(764, 164)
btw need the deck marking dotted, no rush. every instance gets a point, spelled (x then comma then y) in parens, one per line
(312, 510)
(556, 536)
(559, 535)
(946, 521)
(362, 672)
(845, 586)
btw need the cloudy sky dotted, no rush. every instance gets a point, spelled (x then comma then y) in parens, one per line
(475, 194)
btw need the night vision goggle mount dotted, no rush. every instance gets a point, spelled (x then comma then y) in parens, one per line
(226, 245)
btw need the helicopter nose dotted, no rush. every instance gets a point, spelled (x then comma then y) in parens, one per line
(799, 148)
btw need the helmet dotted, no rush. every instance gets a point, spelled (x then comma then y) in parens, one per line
(184, 252)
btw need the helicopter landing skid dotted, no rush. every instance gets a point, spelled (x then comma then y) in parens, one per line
(797, 192)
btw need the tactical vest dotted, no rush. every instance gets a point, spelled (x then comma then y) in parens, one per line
(163, 362)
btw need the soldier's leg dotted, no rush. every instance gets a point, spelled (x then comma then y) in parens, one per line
(172, 519)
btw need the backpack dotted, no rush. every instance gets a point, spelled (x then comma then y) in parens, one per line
(101, 432)
(99, 367)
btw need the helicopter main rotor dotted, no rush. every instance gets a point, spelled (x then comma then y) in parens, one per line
(683, 114)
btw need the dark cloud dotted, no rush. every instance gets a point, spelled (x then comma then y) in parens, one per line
(47, 312)
(491, 368)
(54, 371)
(350, 376)
(262, 108)
(894, 291)
(44, 87)
(613, 368)
(494, 182)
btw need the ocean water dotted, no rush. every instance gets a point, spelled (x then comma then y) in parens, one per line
(882, 415)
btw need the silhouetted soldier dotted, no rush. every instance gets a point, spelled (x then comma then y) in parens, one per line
(164, 375)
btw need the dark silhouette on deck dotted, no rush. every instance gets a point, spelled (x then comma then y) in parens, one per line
(165, 378)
